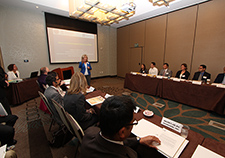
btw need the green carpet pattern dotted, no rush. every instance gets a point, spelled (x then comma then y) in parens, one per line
(196, 119)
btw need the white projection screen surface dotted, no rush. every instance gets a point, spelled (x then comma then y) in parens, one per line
(66, 46)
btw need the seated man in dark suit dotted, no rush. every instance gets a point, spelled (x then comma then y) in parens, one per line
(220, 77)
(111, 140)
(201, 74)
(41, 79)
(165, 71)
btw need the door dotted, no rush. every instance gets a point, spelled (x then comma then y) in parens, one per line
(135, 59)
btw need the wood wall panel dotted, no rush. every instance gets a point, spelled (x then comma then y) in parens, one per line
(123, 38)
(137, 33)
(180, 36)
(210, 38)
(155, 41)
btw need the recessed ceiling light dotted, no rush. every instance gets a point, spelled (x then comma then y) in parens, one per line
(37, 7)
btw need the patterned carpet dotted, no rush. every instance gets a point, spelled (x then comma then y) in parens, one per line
(196, 119)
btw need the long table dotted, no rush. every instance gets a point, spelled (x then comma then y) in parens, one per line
(206, 97)
(146, 152)
(193, 137)
(214, 145)
(18, 93)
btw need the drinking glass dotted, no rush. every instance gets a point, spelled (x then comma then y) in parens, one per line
(184, 131)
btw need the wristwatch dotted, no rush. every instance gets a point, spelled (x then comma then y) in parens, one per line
(138, 139)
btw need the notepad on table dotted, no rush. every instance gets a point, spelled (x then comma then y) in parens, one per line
(172, 144)
(95, 100)
(90, 89)
(201, 151)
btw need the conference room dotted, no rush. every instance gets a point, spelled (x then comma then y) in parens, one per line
(36, 34)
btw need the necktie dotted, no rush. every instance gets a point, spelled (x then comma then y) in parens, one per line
(200, 76)
(164, 72)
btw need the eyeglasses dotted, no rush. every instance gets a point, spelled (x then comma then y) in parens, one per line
(134, 123)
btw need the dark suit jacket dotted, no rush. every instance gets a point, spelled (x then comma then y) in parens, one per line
(184, 76)
(2, 83)
(95, 146)
(143, 71)
(219, 78)
(74, 104)
(41, 81)
(205, 76)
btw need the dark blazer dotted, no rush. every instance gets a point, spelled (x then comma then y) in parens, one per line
(143, 71)
(74, 104)
(41, 81)
(184, 76)
(95, 146)
(205, 76)
(219, 78)
(3, 85)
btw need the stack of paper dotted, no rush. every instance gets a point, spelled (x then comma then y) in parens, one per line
(200, 152)
(95, 100)
(171, 144)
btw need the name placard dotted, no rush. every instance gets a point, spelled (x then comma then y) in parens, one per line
(172, 124)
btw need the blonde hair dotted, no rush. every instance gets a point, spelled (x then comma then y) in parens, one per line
(78, 84)
(84, 56)
(10, 154)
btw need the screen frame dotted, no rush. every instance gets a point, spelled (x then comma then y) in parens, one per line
(71, 24)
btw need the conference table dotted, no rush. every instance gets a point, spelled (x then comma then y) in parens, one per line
(203, 96)
(145, 152)
(18, 93)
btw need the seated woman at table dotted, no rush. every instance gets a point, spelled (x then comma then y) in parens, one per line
(74, 102)
(183, 73)
(143, 69)
(13, 73)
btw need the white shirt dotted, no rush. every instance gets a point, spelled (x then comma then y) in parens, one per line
(12, 76)
(153, 71)
(86, 70)
(112, 141)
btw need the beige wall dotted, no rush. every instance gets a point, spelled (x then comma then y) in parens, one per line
(194, 35)
(23, 36)
(155, 41)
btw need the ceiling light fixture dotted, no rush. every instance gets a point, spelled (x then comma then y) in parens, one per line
(105, 12)
(161, 2)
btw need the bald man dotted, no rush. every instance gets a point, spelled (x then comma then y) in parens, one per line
(220, 77)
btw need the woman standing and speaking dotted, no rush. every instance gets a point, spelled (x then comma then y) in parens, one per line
(85, 68)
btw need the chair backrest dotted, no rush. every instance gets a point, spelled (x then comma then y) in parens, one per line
(45, 100)
(38, 85)
(76, 127)
(45, 86)
(62, 115)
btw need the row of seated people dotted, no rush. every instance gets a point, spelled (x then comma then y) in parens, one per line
(183, 73)
(109, 137)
